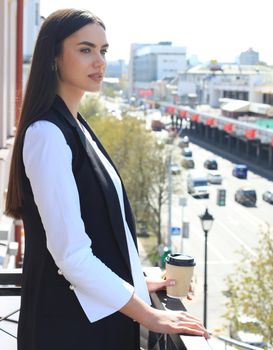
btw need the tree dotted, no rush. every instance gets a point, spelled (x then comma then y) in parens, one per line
(250, 287)
(91, 105)
(157, 194)
(140, 162)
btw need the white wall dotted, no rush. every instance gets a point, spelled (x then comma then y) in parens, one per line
(169, 65)
(7, 97)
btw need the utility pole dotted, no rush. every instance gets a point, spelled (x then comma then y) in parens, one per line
(169, 238)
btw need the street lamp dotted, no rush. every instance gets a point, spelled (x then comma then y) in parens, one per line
(206, 221)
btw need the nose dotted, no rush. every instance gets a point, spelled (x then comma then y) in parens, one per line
(99, 61)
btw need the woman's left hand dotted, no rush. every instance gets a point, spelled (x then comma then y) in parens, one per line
(155, 284)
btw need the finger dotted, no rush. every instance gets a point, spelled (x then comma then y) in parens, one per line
(192, 331)
(170, 282)
(187, 316)
(194, 326)
(189, 297)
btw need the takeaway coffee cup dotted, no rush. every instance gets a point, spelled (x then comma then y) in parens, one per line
(180, 268)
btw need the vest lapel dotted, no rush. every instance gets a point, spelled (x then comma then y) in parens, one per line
(128, 209)
(104, 180)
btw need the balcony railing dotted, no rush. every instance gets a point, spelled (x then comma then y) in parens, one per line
(10, 282)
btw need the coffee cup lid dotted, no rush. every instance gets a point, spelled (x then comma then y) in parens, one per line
(180, 260)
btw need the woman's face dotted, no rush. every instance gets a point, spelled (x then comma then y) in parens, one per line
(81, 65)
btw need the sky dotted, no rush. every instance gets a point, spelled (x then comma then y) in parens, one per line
(209, 29)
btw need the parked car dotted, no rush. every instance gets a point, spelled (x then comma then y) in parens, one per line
(247, 330)
(157, 125)
(245, 196)
(176, 169)
(184, 142)
(240, 171)
(214, 177)
(188, 163)
(187, 152)
(268, 196)
(211, 164)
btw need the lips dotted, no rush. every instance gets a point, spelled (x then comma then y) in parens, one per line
(97, 77)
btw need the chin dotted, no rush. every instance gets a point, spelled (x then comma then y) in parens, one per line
(96, 88)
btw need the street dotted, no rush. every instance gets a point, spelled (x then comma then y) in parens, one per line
(234, 227)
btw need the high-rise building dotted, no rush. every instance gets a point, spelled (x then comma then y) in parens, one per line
(152, 62)
(249, 57)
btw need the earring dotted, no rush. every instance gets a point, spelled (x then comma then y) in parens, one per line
(54, 67)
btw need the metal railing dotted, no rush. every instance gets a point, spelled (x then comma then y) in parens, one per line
(237, 344)
(10, 285)
(173, 341)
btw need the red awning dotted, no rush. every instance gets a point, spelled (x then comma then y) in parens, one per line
(195, 117)
(183, 114)
(229, 127)
(211, 121)
(250, 133)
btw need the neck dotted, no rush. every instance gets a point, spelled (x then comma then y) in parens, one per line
(72, 99)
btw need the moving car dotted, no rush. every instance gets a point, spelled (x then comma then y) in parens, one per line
(240, 171)
(268, 196)
(211, 164)
(214, 177)
(197, 185)
(245, 196)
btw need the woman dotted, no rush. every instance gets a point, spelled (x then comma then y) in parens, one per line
(82, 281)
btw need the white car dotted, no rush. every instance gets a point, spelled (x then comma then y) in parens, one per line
(214, 177)
(176, 169)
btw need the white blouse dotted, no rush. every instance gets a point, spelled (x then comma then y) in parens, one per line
(48, 164)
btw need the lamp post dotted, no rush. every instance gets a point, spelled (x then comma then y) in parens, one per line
(206, 221)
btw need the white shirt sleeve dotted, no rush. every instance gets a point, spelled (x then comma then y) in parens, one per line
(48, 165)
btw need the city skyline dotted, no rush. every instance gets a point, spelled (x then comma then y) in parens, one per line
(210, 29)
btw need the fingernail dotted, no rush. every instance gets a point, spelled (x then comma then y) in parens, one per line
(172, 282)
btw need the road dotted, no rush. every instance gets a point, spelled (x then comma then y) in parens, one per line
(235, 227)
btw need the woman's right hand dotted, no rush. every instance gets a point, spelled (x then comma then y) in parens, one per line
(171, 322)
(163, 321)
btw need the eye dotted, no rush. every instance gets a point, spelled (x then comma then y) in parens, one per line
(103, 52)
(85, 50)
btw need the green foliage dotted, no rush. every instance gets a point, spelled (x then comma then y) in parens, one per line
(250, 287)
(140, 162)
(109, 91)
(91, 106)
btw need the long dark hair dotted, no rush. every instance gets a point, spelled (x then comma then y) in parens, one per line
(41, 88)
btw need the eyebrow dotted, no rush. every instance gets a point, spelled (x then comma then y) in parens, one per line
(88, 43)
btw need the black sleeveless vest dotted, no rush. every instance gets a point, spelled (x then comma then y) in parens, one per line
(51, 317)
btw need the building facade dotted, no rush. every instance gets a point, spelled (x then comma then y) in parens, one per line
(8, 10)
(249, 57)
(153, 62)
(241, 82)
(12, 71)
